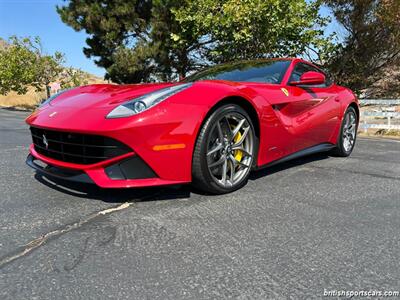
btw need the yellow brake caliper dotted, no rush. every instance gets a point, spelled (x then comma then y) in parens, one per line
(238, 153)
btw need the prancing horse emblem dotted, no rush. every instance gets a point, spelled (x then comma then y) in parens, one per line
(285, 91)
(45, 142)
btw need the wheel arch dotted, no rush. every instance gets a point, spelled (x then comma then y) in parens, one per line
(344, 107)
(243, 103)
(356, 108)
(247, 106)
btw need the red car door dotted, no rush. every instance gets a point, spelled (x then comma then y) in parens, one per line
(298, 116)
(311, 110)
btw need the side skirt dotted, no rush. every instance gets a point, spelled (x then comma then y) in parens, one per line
(311, 150)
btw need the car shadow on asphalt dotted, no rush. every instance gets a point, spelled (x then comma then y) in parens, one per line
(91, 191)
(263, 172)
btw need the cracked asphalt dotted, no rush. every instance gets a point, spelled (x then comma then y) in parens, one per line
(297, 229)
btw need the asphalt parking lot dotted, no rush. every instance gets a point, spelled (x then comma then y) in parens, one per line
(297, 229)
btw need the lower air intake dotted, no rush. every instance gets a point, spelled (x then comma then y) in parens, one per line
(75, 147)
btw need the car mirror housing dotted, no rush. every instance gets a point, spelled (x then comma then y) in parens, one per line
(310, 78)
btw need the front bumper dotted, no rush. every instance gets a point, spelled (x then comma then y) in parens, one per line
(126, 171)
(163, 137)
(60, 173)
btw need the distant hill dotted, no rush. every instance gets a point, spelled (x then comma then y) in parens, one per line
(32, 98)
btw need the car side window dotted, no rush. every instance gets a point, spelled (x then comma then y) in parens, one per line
(301, 68)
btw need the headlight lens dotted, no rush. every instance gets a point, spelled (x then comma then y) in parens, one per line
(144, 102)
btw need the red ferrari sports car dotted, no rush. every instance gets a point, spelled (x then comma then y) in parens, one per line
(210, 129)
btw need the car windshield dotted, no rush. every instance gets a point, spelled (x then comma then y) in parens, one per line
(269, 71)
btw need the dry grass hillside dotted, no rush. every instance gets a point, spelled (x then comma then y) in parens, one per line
(32, 98)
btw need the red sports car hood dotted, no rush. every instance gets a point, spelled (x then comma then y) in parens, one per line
(104, 95)
(85, 108)
(89, 105)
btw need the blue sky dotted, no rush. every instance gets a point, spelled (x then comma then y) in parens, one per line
(39, 18)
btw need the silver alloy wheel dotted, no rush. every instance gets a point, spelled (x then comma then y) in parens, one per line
(349, 131)
(230, 149)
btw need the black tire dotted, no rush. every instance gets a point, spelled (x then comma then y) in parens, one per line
(202, 178)
(340, 149)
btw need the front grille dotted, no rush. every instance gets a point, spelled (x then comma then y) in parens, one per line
(75, 147)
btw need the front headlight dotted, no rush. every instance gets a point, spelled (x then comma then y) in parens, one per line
(144, 102)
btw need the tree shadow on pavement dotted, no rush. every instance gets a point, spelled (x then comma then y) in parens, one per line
(27, 109)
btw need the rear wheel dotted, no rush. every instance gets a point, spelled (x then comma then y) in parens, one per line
(224, 151)
(348, 133)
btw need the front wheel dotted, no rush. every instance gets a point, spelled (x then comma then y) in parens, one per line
(348, 133)
(224, 151)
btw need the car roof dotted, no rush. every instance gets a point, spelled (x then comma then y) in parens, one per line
(291, 59)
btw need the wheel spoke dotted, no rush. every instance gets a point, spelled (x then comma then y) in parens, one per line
(239, 148)
(220, 134)
(224, 171)
(350, 128)
(346, 124)
(218, 162)
(243, 137)
(215, 149)
(236, 162)
(232, 167)
(239, 163)
(228, 127)
(237, 128)
(352, 119)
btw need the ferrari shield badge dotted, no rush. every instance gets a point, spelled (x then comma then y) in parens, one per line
(285, 91)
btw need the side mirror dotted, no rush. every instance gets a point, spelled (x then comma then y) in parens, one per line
(309, 78)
